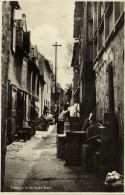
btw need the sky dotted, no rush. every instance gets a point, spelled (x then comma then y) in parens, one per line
(51, 21)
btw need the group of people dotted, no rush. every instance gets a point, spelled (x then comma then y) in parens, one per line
(57, 118)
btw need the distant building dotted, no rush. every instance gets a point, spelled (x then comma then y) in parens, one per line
(41, 65)
(47, 86)
(68, 94)
(59, 97)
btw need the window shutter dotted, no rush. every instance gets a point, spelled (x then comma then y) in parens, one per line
(19, 38)
(26, 41)
(14, 37)
(19, 33)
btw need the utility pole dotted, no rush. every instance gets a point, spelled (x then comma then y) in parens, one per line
(56, 45)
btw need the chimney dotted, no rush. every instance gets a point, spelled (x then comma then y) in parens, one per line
(24, 17)
(24, 22)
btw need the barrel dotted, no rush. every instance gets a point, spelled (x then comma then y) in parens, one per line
(75, 124)
(75, 127)
(60, 127)
(73, 147)
(66, 126)
(61, 139)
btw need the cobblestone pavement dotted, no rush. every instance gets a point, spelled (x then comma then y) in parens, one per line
(33, 166)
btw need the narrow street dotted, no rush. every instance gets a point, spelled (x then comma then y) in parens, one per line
(62, 63)
(33, 166)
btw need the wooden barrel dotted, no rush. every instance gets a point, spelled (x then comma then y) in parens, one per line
(75, 127)
(61, 139)
(75, 119)
(75, 124)
(73, 148)
(60, 127)
(66, 126)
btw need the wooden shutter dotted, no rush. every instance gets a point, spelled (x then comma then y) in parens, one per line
(26, 41)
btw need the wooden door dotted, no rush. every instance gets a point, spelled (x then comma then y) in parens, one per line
(13, 111)
(19, 118)
(12, 101)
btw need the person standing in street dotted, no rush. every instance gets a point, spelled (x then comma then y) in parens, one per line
(45, 110)
(56, 113)
(64, 116)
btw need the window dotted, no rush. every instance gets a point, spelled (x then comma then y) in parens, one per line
(37, 86)
(19, 38)
(90, 10)
(94, 18)
(106, 5)
(107, 16)
(29, 78)
(101, 36)
(99, 12)
(32, 52)
(109, 20)
(33, 83)
(14, 36)
(90, 52)
(102, 8)
(90, 31)
(26, 42)
(119, 7)
(90, 22)
(33, 49)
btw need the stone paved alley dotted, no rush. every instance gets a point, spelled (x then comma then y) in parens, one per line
(33, 166)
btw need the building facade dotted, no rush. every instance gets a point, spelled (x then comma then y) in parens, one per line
(47, 86)
(29, 77)
(83, 25)
(68, 94)
(108, 63)
(8, 9)
(76, 71)
(57, 102)
(41, 65)
(26, 78)
(99, 32)
(23, 81)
